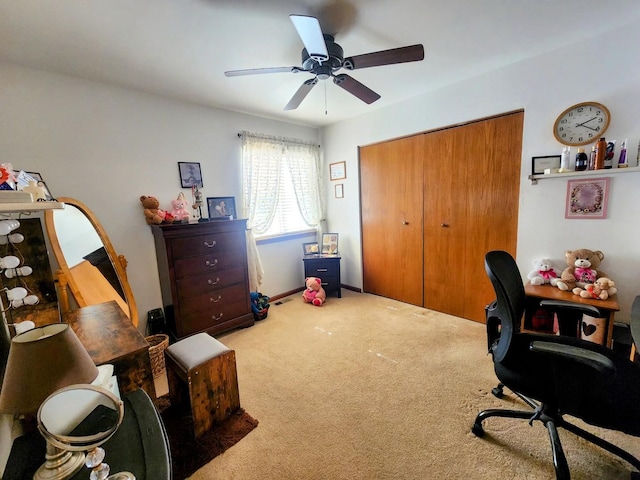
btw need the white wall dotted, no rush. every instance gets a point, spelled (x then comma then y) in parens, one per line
(601, 69)
(106, 146)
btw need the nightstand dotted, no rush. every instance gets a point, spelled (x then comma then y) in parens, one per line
(327, 269)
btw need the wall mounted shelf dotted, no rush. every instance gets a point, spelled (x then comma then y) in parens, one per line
(28, 207)
(587, 173)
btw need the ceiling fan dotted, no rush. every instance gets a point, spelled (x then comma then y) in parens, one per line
(322, 57)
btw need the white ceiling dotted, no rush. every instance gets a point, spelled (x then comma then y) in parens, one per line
(181, 48)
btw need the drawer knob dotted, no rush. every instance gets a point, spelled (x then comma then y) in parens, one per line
(213, 317)
(322, 269)
(211, 264)
(213, 282)
(209, 245)
(215, 300)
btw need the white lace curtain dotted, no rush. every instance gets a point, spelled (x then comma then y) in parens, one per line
(263, 157)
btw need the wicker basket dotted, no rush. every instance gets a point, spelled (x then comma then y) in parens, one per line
(157, 345)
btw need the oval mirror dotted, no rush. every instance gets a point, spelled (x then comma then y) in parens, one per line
(88, 262)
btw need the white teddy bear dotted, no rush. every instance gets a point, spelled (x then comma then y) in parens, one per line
(542, 272)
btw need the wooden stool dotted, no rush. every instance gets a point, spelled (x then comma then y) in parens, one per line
(206, 368)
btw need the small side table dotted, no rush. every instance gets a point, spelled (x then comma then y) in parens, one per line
(327, 269)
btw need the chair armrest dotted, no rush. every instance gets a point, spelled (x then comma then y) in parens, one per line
(576, 307)
(589, 358)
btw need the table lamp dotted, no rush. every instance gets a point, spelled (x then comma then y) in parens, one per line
(41, 361)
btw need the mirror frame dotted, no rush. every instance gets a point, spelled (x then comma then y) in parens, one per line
(118, 262)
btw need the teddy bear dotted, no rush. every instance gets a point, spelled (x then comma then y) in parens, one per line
(542, 272)
(602, 289)
(582, 268)
(314, 293)
(179, 205)
(153, 214)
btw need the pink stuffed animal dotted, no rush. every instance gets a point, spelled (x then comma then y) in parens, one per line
(314, 293)
(179, 205)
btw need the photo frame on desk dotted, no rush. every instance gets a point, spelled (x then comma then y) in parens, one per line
(311, 248)
(221, 208)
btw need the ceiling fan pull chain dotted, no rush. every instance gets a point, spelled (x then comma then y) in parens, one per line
(325, 98)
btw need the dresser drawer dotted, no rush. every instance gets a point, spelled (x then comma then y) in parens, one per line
(320, 268)
(207, 244)
(214, 299)
(202, 264)
(192, 286)
(329, 283)
(200, 321)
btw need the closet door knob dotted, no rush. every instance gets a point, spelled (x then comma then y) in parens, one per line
(404, 222)
(445, 225)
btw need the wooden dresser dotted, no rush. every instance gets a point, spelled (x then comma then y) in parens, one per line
(204, 276)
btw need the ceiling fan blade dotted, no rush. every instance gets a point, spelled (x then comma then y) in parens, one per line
(412, 53)
(356, 88)
(300, 95)
(311, 35)
(257, 71)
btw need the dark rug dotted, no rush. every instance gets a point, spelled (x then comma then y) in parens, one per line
(187, 455)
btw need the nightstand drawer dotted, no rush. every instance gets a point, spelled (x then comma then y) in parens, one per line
(319, 268)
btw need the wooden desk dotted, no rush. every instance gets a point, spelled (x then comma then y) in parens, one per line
(608, 307)
(110, 337)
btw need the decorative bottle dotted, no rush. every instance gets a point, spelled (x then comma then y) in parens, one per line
(581, 160)
(592, 158)
(601, 150)
(622, 160)
(565, 162)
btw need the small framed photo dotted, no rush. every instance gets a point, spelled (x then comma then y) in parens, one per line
(311, 248)
(34, 176)
(540, 164)
(340, 190)
(338, 170)
(190, 174)
(221, 207)
(330, 243)
(587, 198)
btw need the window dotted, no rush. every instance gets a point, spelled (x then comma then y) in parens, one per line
(282, 190)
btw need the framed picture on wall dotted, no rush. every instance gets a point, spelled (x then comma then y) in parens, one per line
(587, 198)
(330, 243)
(221, 207)
(337, 171)
(190, 174)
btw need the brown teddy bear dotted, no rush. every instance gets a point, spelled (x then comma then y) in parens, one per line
(582, 269)
(314, 293)
(152, 213)
(602, 289)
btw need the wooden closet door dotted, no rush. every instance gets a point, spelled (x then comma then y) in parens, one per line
(472, 182)
(446, 155)
(493, 186)
(391, 211)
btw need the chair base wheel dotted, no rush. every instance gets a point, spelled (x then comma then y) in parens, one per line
(477, 430)
(498, 391)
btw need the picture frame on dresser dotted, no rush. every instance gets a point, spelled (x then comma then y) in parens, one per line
(221, 208)
(311, 248)
(330, 243)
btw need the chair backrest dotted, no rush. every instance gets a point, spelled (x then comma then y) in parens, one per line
(510, 298)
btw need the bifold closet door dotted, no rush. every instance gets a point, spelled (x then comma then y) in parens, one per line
(472, 185)
(391, 212)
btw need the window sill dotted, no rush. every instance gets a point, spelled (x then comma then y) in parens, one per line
(285, 236)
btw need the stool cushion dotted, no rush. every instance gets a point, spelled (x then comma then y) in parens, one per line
(195, 350)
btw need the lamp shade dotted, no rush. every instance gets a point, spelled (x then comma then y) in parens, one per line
(41, 361)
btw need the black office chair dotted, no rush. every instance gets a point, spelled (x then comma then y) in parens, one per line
(557, 375)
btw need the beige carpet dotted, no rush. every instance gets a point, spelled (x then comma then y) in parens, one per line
(369, 388)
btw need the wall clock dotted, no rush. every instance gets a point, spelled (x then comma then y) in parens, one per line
(582, 123)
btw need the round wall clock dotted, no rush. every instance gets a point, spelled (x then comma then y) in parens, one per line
(582, 123)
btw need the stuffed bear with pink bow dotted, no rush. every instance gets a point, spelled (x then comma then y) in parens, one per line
(543, 272)
(583, 268)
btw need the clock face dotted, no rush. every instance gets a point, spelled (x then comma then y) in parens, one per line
(582, 124)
